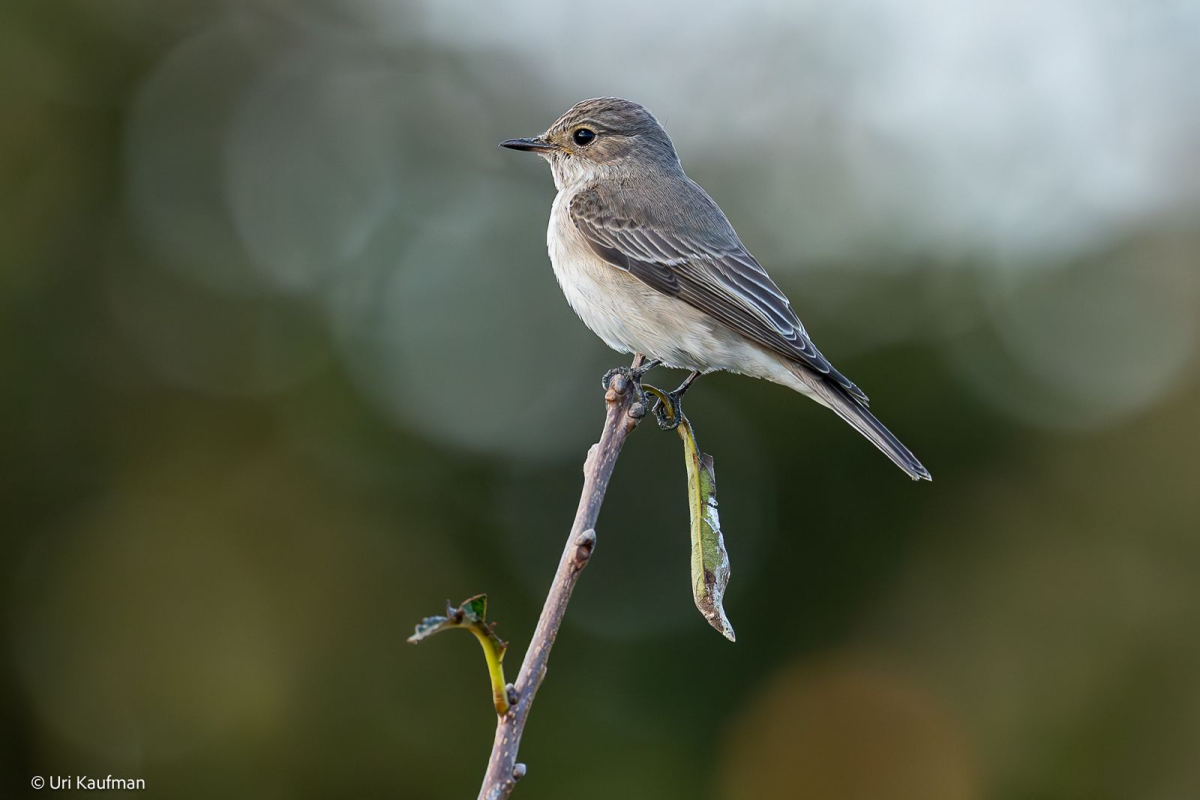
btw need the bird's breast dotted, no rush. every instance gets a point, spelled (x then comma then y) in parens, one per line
(629, 315)
(599, 293)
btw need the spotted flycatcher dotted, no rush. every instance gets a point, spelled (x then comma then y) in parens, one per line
(650, 263)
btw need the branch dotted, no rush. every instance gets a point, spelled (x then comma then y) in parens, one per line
(624, 411)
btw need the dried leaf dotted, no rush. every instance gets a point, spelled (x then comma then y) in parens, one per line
(710, 561)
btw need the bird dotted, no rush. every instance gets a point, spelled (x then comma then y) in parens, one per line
(651, 264)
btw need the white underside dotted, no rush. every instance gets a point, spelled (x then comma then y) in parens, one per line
(632, 317)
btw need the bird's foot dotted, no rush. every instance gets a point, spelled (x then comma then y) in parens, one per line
(668, 411)
(632, 374)
(607, 380)
(669, 414)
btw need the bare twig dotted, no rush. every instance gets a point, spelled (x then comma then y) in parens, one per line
(624, 411)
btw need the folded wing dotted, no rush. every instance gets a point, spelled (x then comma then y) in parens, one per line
(704, 265)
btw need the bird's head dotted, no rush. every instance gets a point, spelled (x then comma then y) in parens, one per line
(603, 137)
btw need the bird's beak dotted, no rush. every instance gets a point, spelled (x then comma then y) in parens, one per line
(535, 144)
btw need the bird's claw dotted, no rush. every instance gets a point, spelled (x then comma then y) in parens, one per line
(629, 374)
(669, 414)
(633, 375)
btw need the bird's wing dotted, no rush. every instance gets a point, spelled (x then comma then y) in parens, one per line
(709, 269)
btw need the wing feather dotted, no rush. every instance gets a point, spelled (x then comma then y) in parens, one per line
(711, 271)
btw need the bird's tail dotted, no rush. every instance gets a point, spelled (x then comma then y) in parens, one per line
(855, 412)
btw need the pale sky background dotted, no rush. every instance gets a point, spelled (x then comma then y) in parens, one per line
(1000, 143)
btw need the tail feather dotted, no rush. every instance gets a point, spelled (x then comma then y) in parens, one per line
(854, 412)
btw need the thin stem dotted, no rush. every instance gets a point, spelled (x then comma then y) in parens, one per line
(624, 411)
(665, 401)
(495, 670)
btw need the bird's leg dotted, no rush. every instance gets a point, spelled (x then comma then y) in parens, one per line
(647, 366)
(670, 421)
(634, 372)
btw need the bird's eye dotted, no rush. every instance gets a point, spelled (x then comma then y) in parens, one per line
(583, 136)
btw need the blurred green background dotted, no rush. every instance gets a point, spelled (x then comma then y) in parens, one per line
(285, 367)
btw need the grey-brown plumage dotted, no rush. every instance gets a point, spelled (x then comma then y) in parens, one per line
(652, 265)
